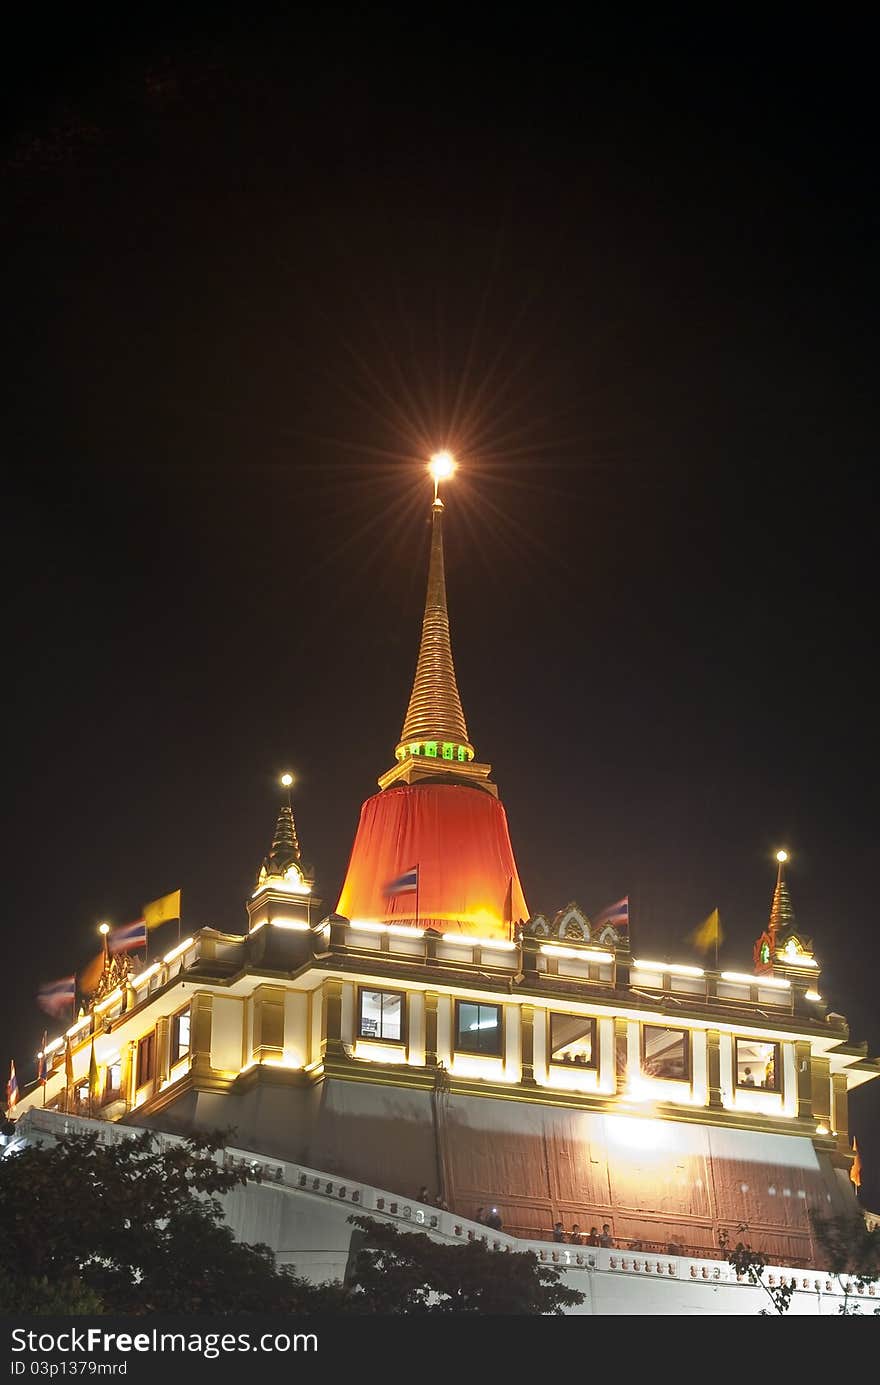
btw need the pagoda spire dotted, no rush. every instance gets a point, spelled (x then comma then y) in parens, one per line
(782, 945)
(435, 713)
(283, 892)
(285, 844)
(781, 911)
(285, 850)
(434, 739)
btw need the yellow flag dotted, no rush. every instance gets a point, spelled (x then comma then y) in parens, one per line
(708, 934)
(161, 910)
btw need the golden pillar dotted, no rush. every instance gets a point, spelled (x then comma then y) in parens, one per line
(804, 1076)
(331, 1020)
(840, 1111)
(126, 1073)
(268, 1040)
(162, 1056)
(621, 1052)
(713, 1068)
(820, 1072)
(431, 1029)
(201, 1020)
(527, 1041)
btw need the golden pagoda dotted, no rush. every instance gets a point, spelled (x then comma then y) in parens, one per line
(428, 825)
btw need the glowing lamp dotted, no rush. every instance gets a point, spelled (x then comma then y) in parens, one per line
(441, 466)
(104, 928)
(287, 780)
(781, 856)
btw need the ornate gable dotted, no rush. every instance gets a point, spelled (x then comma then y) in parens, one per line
(571, 922)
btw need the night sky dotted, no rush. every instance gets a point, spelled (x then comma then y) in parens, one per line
(251, 279)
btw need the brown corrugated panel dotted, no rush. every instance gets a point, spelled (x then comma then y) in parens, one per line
(668, 1181)
(486, 1159)
(769, 1183)
(657, 1235)
(577, 1159)
(652, 1179)
(671, 1184)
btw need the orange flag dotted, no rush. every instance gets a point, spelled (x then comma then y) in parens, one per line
(855, 1173)
(91, 974)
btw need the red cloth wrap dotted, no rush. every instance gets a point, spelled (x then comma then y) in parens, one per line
(458, 838)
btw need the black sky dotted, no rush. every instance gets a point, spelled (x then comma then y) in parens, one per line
(247, 276)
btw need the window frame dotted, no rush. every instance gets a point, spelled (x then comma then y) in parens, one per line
(378, 1038)
(110, 1092)
(688, 1052)
(593, 1022)
(173, 1035)
(777, 1064)
(141, 1079)
(478, 1052)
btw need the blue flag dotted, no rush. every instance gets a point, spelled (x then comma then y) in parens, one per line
(616, 914)
(11, 1088)
(404, 884)
(129, 938)
(57, 996)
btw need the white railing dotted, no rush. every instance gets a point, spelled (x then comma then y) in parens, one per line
(414, 1215)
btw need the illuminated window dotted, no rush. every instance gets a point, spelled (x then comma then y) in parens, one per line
(114, 1081)
(82, 1092)
(765, 953)
(477, 1028)
(448, 750)
(146, 1054)
(462, 753)
(431, 749)
(758, 1065)
(180, 1036)
(665, 1052)
(381, 1016)
(573, 1040)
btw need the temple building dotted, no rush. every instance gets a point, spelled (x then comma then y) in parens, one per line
(430, 1031)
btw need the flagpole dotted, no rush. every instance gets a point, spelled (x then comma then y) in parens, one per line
(417, 895)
